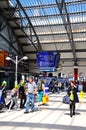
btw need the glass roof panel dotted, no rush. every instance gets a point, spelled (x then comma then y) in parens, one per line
(77, 7)
(46, 13)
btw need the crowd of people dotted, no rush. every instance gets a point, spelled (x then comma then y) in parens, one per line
(26, 92)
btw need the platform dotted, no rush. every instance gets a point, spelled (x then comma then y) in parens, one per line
(52, 116)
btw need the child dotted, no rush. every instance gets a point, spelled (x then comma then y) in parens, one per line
(13, 101)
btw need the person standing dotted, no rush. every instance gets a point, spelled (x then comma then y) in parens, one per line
(55, 87)
(22, 96)
(41, 92)
(32, 89)
(72, 92)
(3, 88)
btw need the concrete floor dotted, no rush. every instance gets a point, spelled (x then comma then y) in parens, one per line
(52, 116)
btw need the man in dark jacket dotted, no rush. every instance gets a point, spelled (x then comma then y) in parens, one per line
(22, 96)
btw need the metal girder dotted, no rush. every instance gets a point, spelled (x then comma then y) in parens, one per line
(48, 5)
(71, 59)
(39, 26)
(66, 66)
(2, 26)
(50, 34)
(4, 14)
(35, 67)
(62, 7)
(61, 51)
(39, 45)
(9, 43)
(25, 35)
(50, 15)
(20, 49)
(11, 14)
(8, 16)
(47, 43)
(63, 59)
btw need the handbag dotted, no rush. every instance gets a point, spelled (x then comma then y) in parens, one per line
(45, 99)
(66, 99)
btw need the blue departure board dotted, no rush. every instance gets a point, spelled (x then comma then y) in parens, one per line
(47, 60)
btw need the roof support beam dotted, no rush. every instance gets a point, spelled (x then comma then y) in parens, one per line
(7, 15)
(9, 43)
(40, 26)
(50, 34)
(62, 9)
(48, 5)
(61, 51)
(63, 59)
(50, 15)
(39, 45)
(47, 43)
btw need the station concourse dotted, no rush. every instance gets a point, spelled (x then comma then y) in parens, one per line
(53, 116)
(43, 38)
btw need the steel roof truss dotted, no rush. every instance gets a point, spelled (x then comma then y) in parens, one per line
(62, 8)
(39, 45)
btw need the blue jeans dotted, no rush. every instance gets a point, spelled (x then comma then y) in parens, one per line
(30, 98)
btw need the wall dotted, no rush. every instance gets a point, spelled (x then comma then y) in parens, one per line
(71, 69)
(7, 38)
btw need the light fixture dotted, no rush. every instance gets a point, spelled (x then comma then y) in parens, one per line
(16, 61)
(8, 58)
(25, 58)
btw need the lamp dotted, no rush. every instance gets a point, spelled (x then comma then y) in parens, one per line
(16, 61)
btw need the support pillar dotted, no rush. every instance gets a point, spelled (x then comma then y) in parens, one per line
(75, 73)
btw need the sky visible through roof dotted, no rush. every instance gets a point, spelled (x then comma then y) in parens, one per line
(38, 10)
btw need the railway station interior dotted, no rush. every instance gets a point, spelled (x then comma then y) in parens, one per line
(45, 39)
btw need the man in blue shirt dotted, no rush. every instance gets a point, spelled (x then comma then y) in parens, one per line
(32, 89)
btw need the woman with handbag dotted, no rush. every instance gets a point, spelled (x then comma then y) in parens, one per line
(72, 92)
(41, 92)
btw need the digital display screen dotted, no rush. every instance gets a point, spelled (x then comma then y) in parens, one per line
(47, 60)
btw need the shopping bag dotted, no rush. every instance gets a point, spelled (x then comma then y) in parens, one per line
(45, 99)
(71, 96)
(66, 99)
(82, 95)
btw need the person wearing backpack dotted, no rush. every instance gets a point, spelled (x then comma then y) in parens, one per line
(41, 92)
